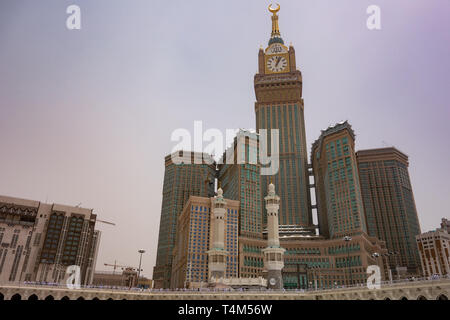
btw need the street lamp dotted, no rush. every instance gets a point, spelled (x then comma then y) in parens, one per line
(348, 239)
(376, 255)
(139, 270)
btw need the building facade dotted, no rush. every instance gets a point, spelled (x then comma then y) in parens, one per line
(434, 251)
(195, 237)
(316, 262)
(338, 194)
(126, 279)
(338, 256)
(445, 224)
(193, 174)
(39, 241)
(389, 204)
(239, 177)
(279, 105)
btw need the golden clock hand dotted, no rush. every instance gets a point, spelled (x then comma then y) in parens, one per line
(278, 61)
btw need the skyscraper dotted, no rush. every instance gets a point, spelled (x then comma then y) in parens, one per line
(194, 177)
(240, 180)
(338, 194)
(389, 205)
(279, 105)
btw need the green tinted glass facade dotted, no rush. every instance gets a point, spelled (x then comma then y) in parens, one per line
(340, 205)
(241, 181)
(292, 178)
(389, 204)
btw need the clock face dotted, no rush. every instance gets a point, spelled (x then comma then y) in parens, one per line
(276, 63)
(272, 281)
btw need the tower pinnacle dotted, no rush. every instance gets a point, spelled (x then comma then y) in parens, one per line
(275, 37)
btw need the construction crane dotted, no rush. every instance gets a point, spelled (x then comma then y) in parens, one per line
(115, 266)
(106, 222)
(98, 220)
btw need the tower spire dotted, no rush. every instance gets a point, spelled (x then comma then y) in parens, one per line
(275, 37)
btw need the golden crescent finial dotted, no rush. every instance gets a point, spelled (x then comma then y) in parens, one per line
(274, 11)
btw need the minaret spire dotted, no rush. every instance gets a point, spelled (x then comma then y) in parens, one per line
(217, 255)
(273, 254)
(275, 37)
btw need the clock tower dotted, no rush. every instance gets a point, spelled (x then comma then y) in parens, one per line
(279, 105)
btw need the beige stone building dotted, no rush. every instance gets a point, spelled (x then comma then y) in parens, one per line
(194, 239)
(316, 261)
(38, 241)
(126, 279)
(434, 251)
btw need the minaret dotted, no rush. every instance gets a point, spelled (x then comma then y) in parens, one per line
(273, 254)
(217, 255)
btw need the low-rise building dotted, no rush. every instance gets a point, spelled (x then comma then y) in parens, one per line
(38, 241)
(126, 279)
(434, 249)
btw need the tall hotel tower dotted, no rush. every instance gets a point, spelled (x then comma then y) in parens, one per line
(338, 192)
(193, 177)
(279, 105)
(240, 180)
(389, 204)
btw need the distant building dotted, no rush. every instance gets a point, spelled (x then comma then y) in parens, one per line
(445, 224)
(39, 241)
(434, 251)
(338, 193)
(194, 239)
(389, 204)
(127, 279)
(194, 177)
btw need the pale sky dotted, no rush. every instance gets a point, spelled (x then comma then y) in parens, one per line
(86, 115)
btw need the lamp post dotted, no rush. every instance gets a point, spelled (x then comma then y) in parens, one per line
(348, 239)
(389, 262)
(376, 255)
(139, 270)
